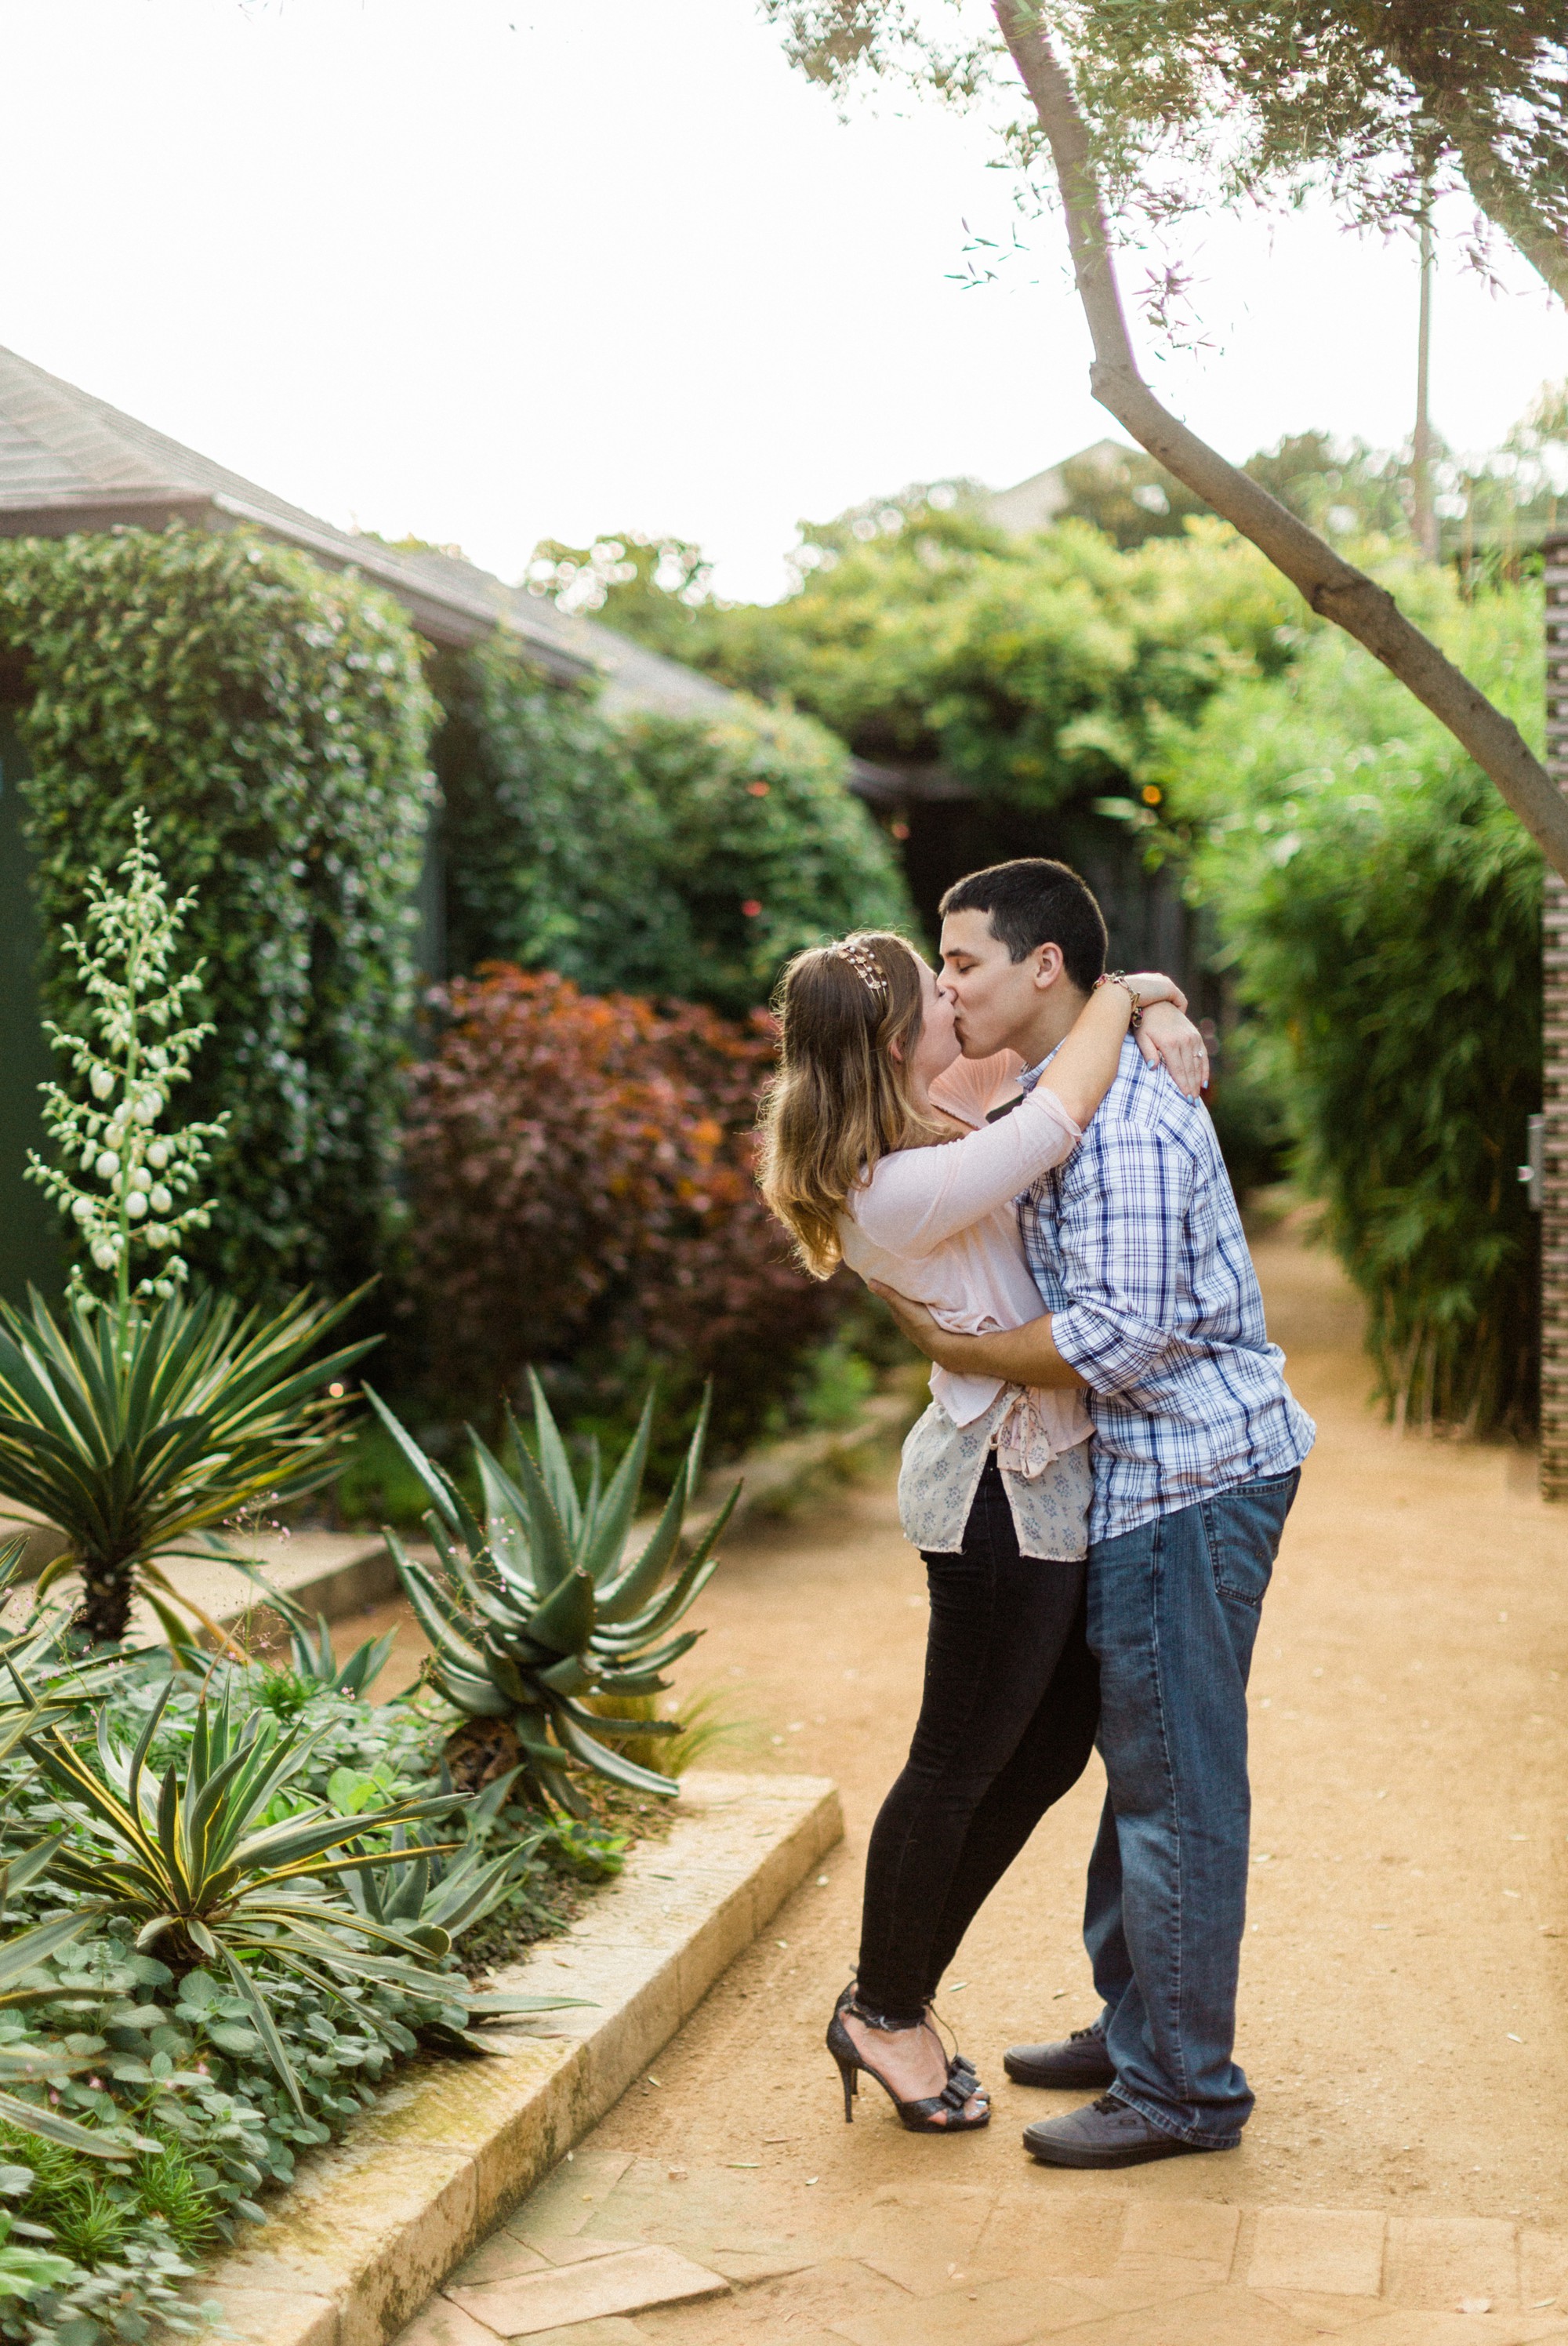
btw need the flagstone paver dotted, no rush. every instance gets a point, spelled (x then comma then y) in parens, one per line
(920, 2265)
(587, 2289)
(1335, 2251)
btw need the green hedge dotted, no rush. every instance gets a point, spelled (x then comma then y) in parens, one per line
(273, 720)
(659, 855)
(1380, 909)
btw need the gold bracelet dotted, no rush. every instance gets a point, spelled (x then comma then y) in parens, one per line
(1119, 977)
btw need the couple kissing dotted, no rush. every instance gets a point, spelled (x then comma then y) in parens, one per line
(1012, 1149)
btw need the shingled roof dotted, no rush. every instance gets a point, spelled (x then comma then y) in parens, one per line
(70, 461)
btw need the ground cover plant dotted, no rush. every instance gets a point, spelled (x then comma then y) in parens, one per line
(335, 1882)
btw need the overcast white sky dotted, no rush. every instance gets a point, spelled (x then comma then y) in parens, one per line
(494, 269)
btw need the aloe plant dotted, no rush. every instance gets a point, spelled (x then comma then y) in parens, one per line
(210, 1871)
(539, 1607)
(135, 1438)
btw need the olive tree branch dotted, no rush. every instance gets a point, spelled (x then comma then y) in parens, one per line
(1507, 205)
(1334, 588)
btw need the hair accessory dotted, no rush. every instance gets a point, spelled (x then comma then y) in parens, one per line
(864, 963)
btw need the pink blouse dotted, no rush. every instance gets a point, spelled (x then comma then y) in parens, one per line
(938, 1225)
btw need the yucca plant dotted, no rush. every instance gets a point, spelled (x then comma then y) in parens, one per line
(539, 1606)
(132, 1438)
(215, 1865)
(425, 1889)
(118, 1178)
(137, 1418)
(40, 1683)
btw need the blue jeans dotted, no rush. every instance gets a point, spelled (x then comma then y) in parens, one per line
(1173, 1615)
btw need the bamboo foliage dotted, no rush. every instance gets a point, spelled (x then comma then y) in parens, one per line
(1382, 916)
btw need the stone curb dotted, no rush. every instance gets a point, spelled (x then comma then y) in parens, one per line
(372, 2226)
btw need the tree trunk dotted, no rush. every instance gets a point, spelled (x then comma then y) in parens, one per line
(1334, 588)
(104, 1614)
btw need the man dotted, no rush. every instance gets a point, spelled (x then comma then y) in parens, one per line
(1152, 1306)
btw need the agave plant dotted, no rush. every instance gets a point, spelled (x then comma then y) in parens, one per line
(538, 1605)
(133, 1438)
(211, 1873)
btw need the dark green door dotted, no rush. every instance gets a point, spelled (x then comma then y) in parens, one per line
(29, 1246)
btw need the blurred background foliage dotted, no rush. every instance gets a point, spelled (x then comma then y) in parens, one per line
(1379, 911)
(554, 1165)
(678, 855)
(1362, 916)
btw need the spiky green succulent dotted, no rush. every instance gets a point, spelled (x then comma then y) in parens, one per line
(538, 1607)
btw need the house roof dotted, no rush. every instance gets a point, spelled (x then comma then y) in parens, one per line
(70, 461)
(1034, 503)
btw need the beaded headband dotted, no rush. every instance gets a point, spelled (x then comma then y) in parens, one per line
(864, 963)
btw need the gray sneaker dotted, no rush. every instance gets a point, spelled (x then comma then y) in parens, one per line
(1080, 2060)
(1105, 2134)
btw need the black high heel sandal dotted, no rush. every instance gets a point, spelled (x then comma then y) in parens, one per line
(944, 2113)
(960, 2069)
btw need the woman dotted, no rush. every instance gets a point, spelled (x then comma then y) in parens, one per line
(865, 1164)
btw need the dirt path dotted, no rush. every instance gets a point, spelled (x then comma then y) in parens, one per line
(1402, 1994)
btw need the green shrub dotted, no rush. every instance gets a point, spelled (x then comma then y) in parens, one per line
(1380, 909)
(663, 856)
(1036, 669)
(550, 840)
(272, 721)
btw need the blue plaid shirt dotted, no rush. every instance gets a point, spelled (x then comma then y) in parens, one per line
(1137, 1248)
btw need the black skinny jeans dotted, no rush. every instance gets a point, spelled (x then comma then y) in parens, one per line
(1006, 1726)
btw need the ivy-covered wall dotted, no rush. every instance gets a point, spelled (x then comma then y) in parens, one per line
(273, 720)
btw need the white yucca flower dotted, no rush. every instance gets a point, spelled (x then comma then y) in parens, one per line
(125, 1070)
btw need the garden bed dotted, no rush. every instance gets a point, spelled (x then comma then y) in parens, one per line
(169, 2061)
(375, 2224)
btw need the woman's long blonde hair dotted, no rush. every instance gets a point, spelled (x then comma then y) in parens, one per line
(841, 1100)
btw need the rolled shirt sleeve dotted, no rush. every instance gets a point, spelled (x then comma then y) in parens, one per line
(1124, 1244)
(1138, 1255)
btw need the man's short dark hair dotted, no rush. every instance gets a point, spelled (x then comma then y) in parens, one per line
(1033, 902)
